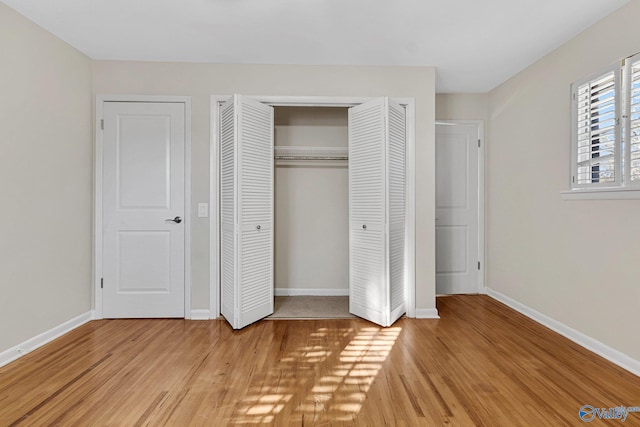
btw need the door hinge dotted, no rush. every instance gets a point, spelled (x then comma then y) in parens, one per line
(478, 143)
(573, 179)
(101, 283)
(478, 265)
(102, 124)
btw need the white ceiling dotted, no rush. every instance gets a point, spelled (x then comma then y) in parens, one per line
(475, 44)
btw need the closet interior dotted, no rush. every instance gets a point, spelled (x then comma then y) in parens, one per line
(311, 207)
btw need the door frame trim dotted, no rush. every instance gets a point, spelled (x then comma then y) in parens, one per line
(481, 195)
(97, 191)
(309, 101)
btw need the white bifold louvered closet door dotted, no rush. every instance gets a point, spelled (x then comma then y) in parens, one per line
(377, 211)
(246, 209)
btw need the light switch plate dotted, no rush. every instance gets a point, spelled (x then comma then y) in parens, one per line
(203, 210)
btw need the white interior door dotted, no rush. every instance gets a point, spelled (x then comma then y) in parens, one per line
(376, 210)
(246, 135)
(143, 209)
(457, 261)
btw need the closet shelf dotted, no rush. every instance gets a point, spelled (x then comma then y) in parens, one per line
(302, 155)
(310, 153)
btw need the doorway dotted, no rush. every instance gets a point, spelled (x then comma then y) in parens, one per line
(459, 207)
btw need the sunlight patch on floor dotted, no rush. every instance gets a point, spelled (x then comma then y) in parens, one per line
(317, 383)
(360, 362)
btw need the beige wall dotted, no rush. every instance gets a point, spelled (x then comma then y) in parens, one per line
(45, 180)
(202, 80)
(575, 261)
(311, 204)
(462, 106)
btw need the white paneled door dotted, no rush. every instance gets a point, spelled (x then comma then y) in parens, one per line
(246, 210)
(457, 215)
(143, 209)
(377, 211)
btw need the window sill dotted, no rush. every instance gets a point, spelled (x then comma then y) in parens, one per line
(620, 193)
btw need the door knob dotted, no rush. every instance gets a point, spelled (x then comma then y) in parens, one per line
(364, 226)
(258, 227)
(177, 220)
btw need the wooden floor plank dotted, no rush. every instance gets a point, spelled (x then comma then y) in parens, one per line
(480, 364)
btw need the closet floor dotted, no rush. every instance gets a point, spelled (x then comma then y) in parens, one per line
(311, 307)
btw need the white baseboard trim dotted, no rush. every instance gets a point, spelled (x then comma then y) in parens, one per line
(611, 354)
(31, 344)
(427, 313)
(200, 315)
(293, 292)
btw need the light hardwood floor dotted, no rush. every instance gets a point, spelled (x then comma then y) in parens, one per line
(481, 364)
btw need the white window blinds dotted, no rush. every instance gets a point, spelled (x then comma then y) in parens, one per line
(596, 149)
(632, 121)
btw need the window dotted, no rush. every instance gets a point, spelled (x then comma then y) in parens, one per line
(596, 130)
(606, 128)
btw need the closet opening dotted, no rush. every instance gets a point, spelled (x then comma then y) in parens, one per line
(311, 210)
(376, 156)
